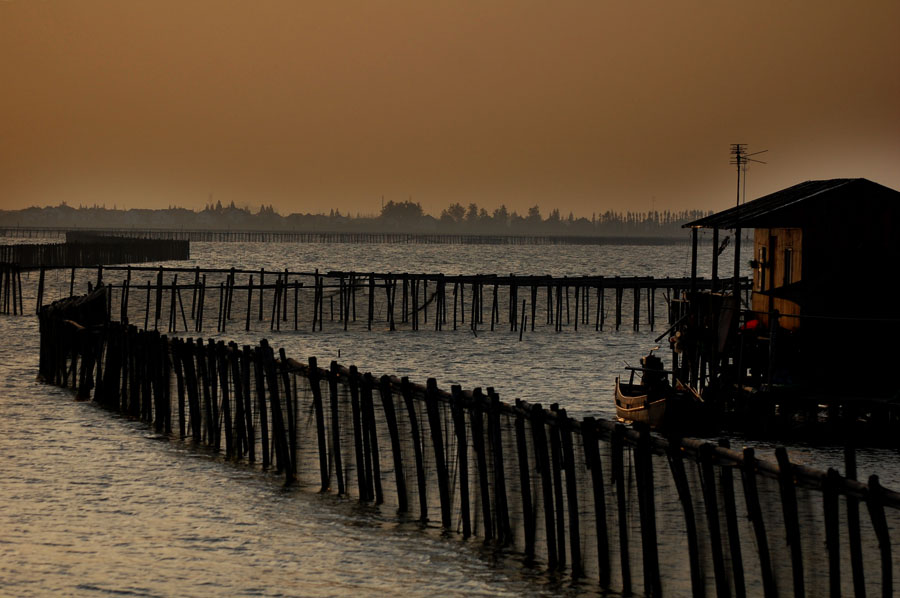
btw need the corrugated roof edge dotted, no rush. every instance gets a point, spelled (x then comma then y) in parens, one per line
(773, 202)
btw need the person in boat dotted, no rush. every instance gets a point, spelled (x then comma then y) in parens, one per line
(653, 375)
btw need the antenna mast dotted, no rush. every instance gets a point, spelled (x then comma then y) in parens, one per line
(740, 157)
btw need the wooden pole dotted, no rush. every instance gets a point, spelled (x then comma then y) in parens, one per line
(459, 429)
(528, 514)
(542, 461)
(437, 442)
(874, 503)
(390, 416)
(556, 465)
(647, 511)
(371, 314)
(257, 357)
(676, 466)
(791, 518)
(708, 483)
(594, 465)
(406, 391)
(369, 431)
(333, 375)
(618, 478)
(754, 514)
(501, 501)
(853, 531)
(476, 419)
(249, 303)
(313, 376)
(40, 293)
(568, 454)
(830, 517)
(362, 472)
(726, 479)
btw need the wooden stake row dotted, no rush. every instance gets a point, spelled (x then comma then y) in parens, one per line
(481, 466)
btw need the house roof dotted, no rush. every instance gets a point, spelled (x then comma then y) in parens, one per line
(783, 207)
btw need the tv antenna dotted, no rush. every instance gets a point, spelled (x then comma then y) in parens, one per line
(741, 158)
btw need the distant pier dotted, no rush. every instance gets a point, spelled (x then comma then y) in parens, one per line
(288, 236)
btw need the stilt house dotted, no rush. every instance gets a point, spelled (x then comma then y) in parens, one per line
(824, 259)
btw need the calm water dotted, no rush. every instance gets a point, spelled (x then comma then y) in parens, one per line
(93, 504)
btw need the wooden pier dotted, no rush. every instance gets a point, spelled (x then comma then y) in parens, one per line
(199, 299)
(591, 499)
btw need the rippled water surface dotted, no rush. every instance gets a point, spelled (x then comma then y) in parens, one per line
(93, 504)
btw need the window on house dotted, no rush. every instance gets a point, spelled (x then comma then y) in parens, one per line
(761, 270)
(788, 266)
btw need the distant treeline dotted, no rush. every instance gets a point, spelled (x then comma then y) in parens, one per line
(405, 216)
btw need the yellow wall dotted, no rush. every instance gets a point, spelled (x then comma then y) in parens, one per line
(773, 262)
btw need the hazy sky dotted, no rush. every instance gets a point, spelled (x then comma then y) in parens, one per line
(583, 105)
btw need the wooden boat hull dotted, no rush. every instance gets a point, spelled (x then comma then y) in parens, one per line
(633, 404)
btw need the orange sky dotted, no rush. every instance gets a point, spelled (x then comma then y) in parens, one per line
(583, 105)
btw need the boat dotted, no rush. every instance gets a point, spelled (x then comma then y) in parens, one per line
(645, 402)
(635, 403)
(654, 402)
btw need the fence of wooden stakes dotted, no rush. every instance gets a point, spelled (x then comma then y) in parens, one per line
(593, 500)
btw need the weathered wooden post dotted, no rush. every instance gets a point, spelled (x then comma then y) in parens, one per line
(232, 364)
(188, 352)
(223, 369)
(262, 286)
(390, 416)
(754, 514)
(542, 462)
(437, 442)
(708, 484)
(462, 454)
(791, 518)
(528, 514)
(593, 463)
(874, 503)
(371, 314)
(556, 466)
(257, 357)
(477, 422)
(853, 532)
(159, 294)
(830, 517)
(618, 477)
(409, 401)
(647, 510)
(313, 376)
(333, 375)
(734, 541)
(495, 436)
(40, 292)
(370, 433)
(676, 466)
(568, 454)
(363, 472)
(249, 303)
(279, 430)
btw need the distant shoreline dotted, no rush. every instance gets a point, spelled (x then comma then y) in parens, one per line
(301, 236)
